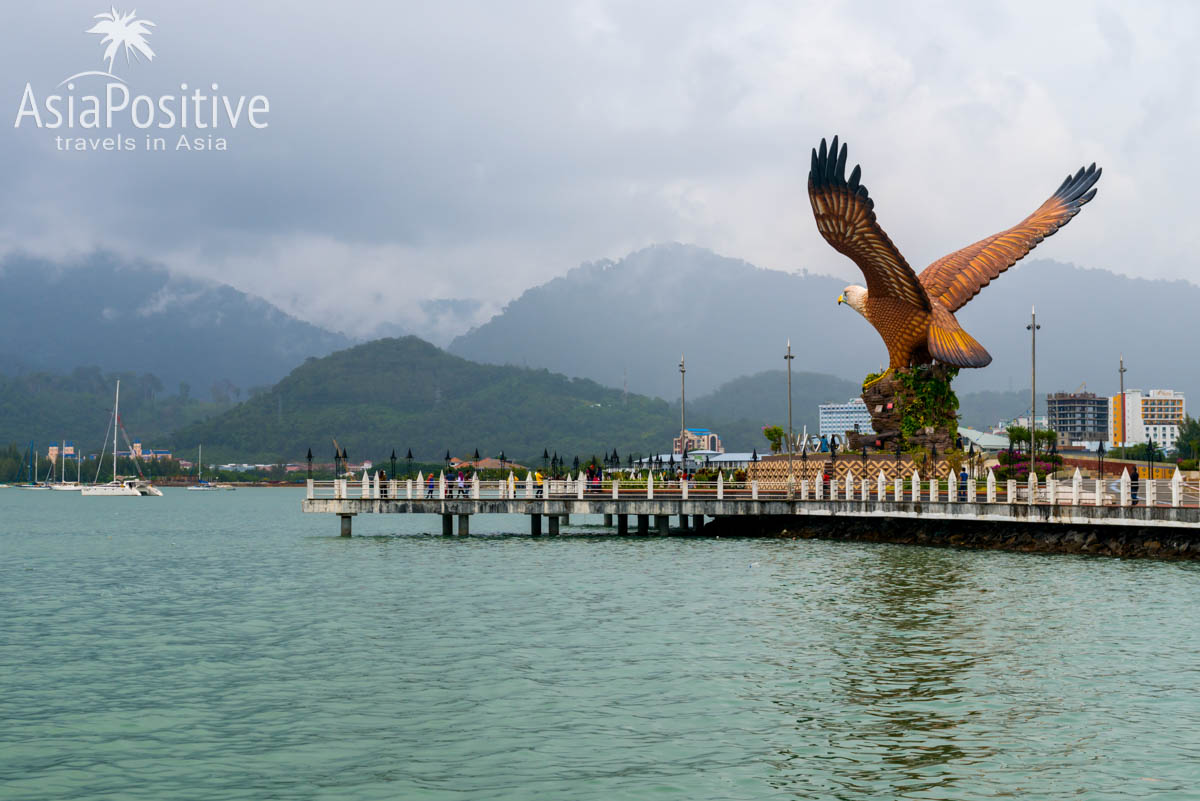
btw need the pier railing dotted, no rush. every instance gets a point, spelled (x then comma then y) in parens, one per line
(1076, 491)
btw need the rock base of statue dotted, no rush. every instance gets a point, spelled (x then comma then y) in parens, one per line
(914, 405)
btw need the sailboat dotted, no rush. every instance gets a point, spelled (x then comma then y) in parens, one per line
(62, 485)
(33, 471)
(128, 487)
(201, 484)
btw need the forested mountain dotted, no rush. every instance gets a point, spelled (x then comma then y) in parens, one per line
(406, 393)
(630, 319)
(136, 317)
(47, 408)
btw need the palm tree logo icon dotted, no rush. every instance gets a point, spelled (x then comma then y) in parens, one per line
(123, 31)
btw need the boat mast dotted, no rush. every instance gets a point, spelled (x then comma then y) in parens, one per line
(116, 424)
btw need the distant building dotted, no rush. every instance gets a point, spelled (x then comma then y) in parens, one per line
(1077, 417)
(1138, 417)
(698, 439)
(68, 451)
(144, 453)
(838, 418)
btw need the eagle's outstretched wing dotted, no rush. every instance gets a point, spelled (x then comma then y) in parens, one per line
(846, 218)
(957, 278)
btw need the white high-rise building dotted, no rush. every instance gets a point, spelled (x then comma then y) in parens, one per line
(1142, 416)
(838, 418)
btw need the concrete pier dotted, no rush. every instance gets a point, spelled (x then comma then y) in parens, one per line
(697, 522)
(464, 525)
(447, 525)
(535, 525)
(662, 524)
(554, 525)
(346, 524)
(643, 524)
(622, 525)
(608, 520)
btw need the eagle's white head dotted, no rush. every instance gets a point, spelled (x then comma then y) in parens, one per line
(855, 297)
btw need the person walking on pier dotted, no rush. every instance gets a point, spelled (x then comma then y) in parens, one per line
(430, 485)
(383, 484)
(538, 478)
(962, 485)
(1133, 485)
(462, 485)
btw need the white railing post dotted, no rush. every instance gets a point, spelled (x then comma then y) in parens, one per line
(819, 482)
(683, 488)
(512, 485)
(1052, 490)
(580, 485)
(804, 489)
(1033, 487)
(1077, 488)
(1011, 486)
(364, 486)
(1176, 489)
(1100, 492)
(833, 488)
(1126, 489)
(915, 489)
(650, 486)
(898, 489)
(849, 485)
(528, 483)
(952, 488)
(421, 484)
(616, 493)
(475, 487)
(866, 489)
(375, 485)
(309, 490)
(934, 494)
(442, 485)
(1151, 492)
(720, 486)
(754, 489)
(972, 491)
(881, 486)
(408, 482)
(991, 486)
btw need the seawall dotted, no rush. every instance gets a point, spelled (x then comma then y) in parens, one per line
(1127, 542)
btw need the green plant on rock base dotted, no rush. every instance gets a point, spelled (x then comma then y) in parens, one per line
(926, 399)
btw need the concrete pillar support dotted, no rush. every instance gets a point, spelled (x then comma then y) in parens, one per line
(554, 525)
(622, 525)
(608, 521)
(535, 525)
(464, 525)
(643, 524)
(697, 522)
(447, 525)
(662, 524)
(345, 521)
(683, 523)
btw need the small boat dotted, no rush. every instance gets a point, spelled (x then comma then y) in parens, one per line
(201, 485)
(120, 487)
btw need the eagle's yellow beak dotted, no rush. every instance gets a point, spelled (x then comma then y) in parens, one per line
(841, 299)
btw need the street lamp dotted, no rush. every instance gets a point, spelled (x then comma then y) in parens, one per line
(545, 457)
(682, 406)
(409, 458)
(393, 473)
(788, 358)
(1032, 328)
(1150, 454)
(310, 462)
(345, 461)
(502, 460)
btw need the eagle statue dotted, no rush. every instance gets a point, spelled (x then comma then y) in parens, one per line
(915, 313)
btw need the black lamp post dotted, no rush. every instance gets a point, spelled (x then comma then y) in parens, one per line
(393, 473)
(545, 458)
(502, 460)
(345, 461)
(833, 446)
(310, 462)
(1054, 456)
(754, 455)
(477, 457)
(447, 460)
(1150, 454)
(409, 457)
(1100, 461)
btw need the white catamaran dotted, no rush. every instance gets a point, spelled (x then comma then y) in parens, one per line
(118, 487)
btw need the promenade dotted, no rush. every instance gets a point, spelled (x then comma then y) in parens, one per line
(648, 506)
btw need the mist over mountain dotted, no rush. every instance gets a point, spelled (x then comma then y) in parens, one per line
(631, 319)
(136, 317)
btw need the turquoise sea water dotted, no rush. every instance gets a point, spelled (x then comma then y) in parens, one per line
(225, 646)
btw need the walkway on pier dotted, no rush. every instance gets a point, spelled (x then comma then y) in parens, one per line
(1169, 504)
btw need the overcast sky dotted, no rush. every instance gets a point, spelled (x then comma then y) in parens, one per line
(470, 150)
